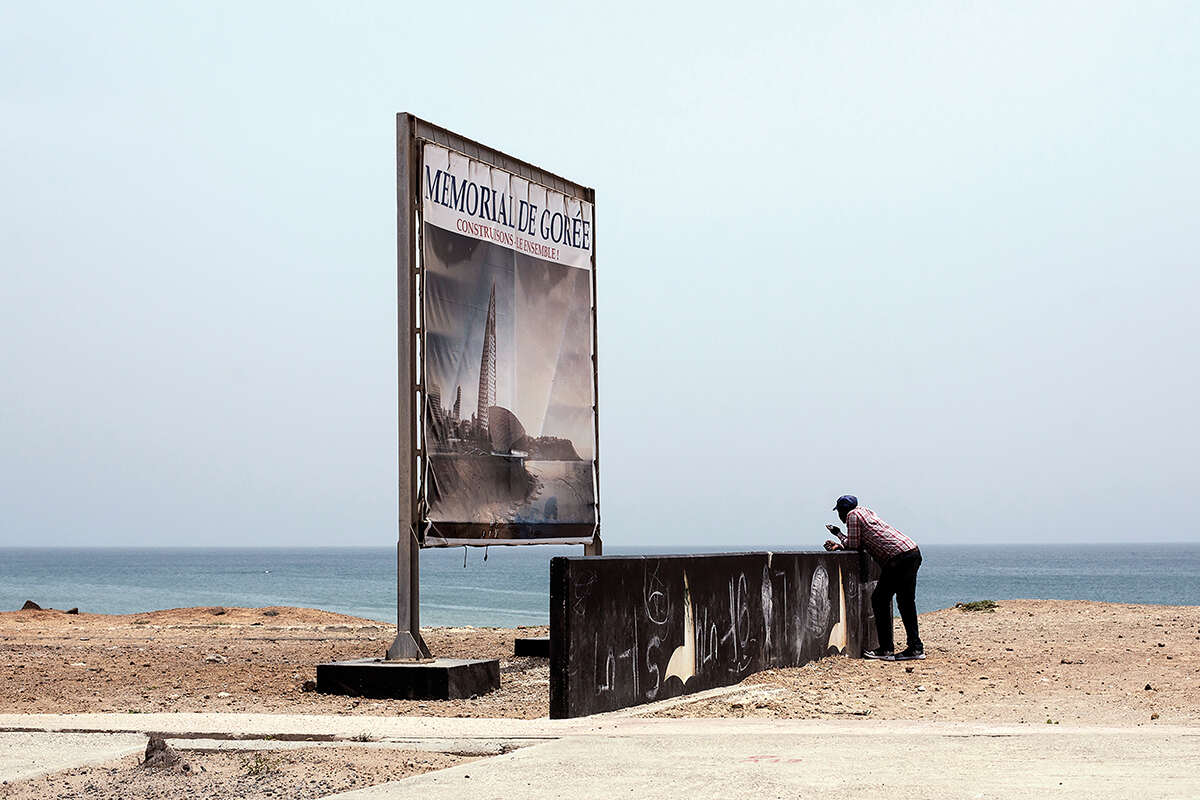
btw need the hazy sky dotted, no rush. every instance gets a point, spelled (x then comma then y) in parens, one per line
(940, 255)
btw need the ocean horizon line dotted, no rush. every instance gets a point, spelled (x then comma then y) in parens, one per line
(617, 548)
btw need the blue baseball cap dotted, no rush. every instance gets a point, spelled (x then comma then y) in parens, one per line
(846, 502)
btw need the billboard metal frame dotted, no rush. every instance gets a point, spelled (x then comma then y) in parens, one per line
(411, 133)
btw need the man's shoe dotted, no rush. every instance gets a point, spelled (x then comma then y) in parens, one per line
(910, 654)
(879, 654)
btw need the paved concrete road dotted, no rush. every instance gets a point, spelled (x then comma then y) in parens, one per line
(31, 755)
(613, 756)
(697, 760)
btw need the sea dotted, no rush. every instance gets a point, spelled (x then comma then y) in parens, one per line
(509, 586)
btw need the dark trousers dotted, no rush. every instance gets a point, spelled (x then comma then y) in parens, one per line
(897, 578)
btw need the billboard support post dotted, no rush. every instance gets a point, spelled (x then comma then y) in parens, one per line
(408, 643)
(596, 546)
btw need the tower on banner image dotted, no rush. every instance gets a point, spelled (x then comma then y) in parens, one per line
(487, 366)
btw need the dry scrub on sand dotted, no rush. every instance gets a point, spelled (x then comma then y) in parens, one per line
(1029, 661)
(251, 775)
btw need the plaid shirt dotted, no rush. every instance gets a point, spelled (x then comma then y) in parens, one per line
(867, 531)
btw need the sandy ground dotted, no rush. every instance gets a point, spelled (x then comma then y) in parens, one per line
(254, 775)
(236, 660)
(1029, 661)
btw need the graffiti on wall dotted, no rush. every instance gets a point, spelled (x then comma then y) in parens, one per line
(630, 630)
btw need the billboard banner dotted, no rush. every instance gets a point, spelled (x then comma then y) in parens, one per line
(509, 417)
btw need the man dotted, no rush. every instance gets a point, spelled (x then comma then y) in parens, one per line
(899, 559)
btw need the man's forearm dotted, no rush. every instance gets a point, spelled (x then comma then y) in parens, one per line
(853, 538)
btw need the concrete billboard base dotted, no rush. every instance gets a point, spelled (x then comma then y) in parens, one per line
(432, 679)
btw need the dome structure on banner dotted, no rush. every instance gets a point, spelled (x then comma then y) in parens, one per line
(506, 432)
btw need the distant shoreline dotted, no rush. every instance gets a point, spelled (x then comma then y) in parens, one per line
(225, 615)
(617, 549)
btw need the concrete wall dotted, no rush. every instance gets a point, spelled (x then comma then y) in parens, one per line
(626, 630)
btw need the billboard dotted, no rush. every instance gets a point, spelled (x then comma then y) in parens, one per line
(507, 367)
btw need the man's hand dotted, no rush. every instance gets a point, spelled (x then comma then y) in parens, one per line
(834, 529)
(830, 544)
